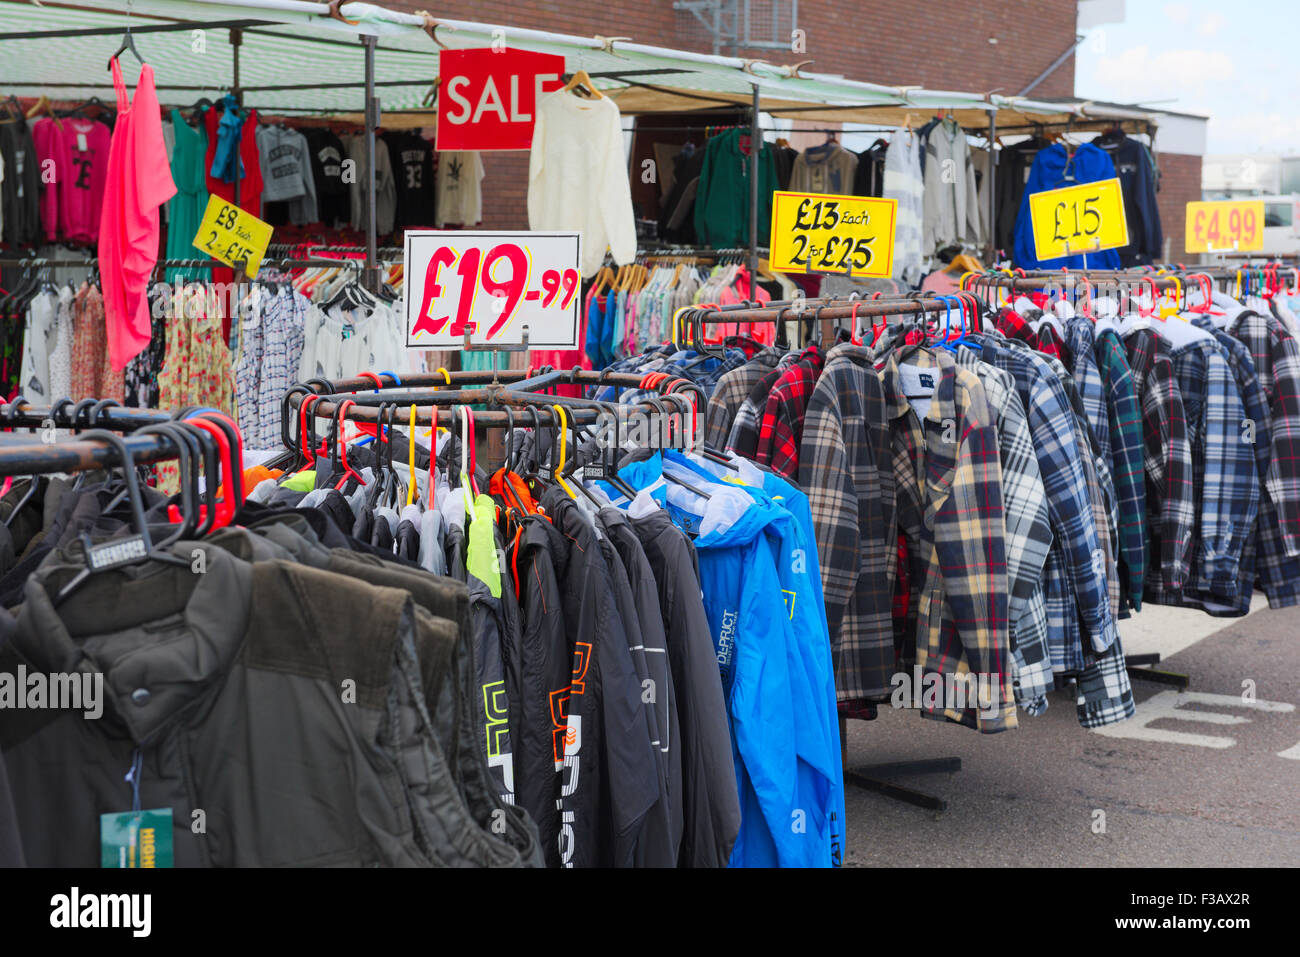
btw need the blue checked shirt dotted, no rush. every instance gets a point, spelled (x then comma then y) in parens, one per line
(1225, 480)
(1078, 597)
(1080, 339)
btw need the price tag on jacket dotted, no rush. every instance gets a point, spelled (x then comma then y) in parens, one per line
(823, 233)
(136, 839)
(1225, 226)
(1075, 220)
(496, 287)
(234, 237)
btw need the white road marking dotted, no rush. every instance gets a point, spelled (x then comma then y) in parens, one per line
(1166, 704)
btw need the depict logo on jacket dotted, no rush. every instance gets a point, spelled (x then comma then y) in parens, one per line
(1051, 168)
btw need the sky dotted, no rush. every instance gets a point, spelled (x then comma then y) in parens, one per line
(1237, 62)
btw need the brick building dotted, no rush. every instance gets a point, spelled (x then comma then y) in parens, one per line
(995, 46)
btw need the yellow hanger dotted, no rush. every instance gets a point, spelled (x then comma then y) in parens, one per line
(410, 458)
(581, 78)
(564, 442)
(1166, 310)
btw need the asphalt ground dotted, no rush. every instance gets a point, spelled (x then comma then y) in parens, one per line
(1164, 789)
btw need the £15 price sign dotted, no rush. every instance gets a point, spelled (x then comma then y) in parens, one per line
(822, 233)
(492, 286)
(1230, 225)
(1078, 220)
(233, 236)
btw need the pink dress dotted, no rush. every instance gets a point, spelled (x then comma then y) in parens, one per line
(139, 180)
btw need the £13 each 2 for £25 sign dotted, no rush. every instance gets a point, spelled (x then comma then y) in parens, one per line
(823, 233)
(1077, 220)
(234, 237)
(492, 286)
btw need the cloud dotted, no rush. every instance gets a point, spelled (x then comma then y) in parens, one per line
(1177, 12)
(1269, 131)
(1211, 25)
(1139, 74)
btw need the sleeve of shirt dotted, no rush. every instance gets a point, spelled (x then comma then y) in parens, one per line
(1070, 508)
(1283, 479)
(1169, 463)
(970, 544)
(616, 196)
(1126, 463)
(1230, 485)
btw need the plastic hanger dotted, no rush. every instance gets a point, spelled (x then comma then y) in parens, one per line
(338, 427)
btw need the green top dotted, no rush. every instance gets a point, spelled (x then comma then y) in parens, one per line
(722, 197)
(303, 481)
(185, 211)
(481, 548)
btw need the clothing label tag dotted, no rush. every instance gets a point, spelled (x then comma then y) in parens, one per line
(136, 839)
(82, 145)
(917, 385)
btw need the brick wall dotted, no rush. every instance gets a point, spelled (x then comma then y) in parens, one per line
(884, 41)
(1180, 183)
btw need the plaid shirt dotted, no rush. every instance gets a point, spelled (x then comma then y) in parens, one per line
(743, 438)
(782, 425)
(1278, 574)
(1080, 337)
(846, 468)
(1167, 455)
(731, 391)
(1225, 481)
(1015, 326)
(949, 503)
(1028, 531)
(1078, 600)
(1125, 431)
(1105, 695)
(1277, 364)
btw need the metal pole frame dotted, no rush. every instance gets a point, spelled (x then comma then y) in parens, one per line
(755, 148)
(993, 189)
(371, 272)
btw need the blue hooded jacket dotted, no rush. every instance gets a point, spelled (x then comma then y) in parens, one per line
(794, 550)
(1051, 167)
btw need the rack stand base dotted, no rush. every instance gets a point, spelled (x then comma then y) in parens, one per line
(865, 778)
(1136, 669)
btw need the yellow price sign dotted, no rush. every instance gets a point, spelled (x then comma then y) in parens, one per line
(822, 233)
(1078, 220)
(1225, 226)
(233, 236)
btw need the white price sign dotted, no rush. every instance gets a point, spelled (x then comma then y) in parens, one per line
(493, 286)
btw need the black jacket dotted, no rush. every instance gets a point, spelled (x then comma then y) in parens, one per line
(662, 836)
(610, 777)
(710, 803)
(1137, 177)
(247, 659)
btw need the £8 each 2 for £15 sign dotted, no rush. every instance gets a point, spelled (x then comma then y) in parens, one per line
(492, 286)
(822, 233)
(1075, 220)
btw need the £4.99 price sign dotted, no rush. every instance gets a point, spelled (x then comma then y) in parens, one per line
(493, 286)
(822, 233)
(1236, 225)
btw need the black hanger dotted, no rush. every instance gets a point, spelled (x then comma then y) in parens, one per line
(128, 43)
(101, 558)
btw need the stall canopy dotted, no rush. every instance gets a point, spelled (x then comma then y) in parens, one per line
(294, 57)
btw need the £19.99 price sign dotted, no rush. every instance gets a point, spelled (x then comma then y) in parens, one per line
(492, 286)
(823, 233)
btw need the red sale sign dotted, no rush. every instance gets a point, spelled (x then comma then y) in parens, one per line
(487, 98)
